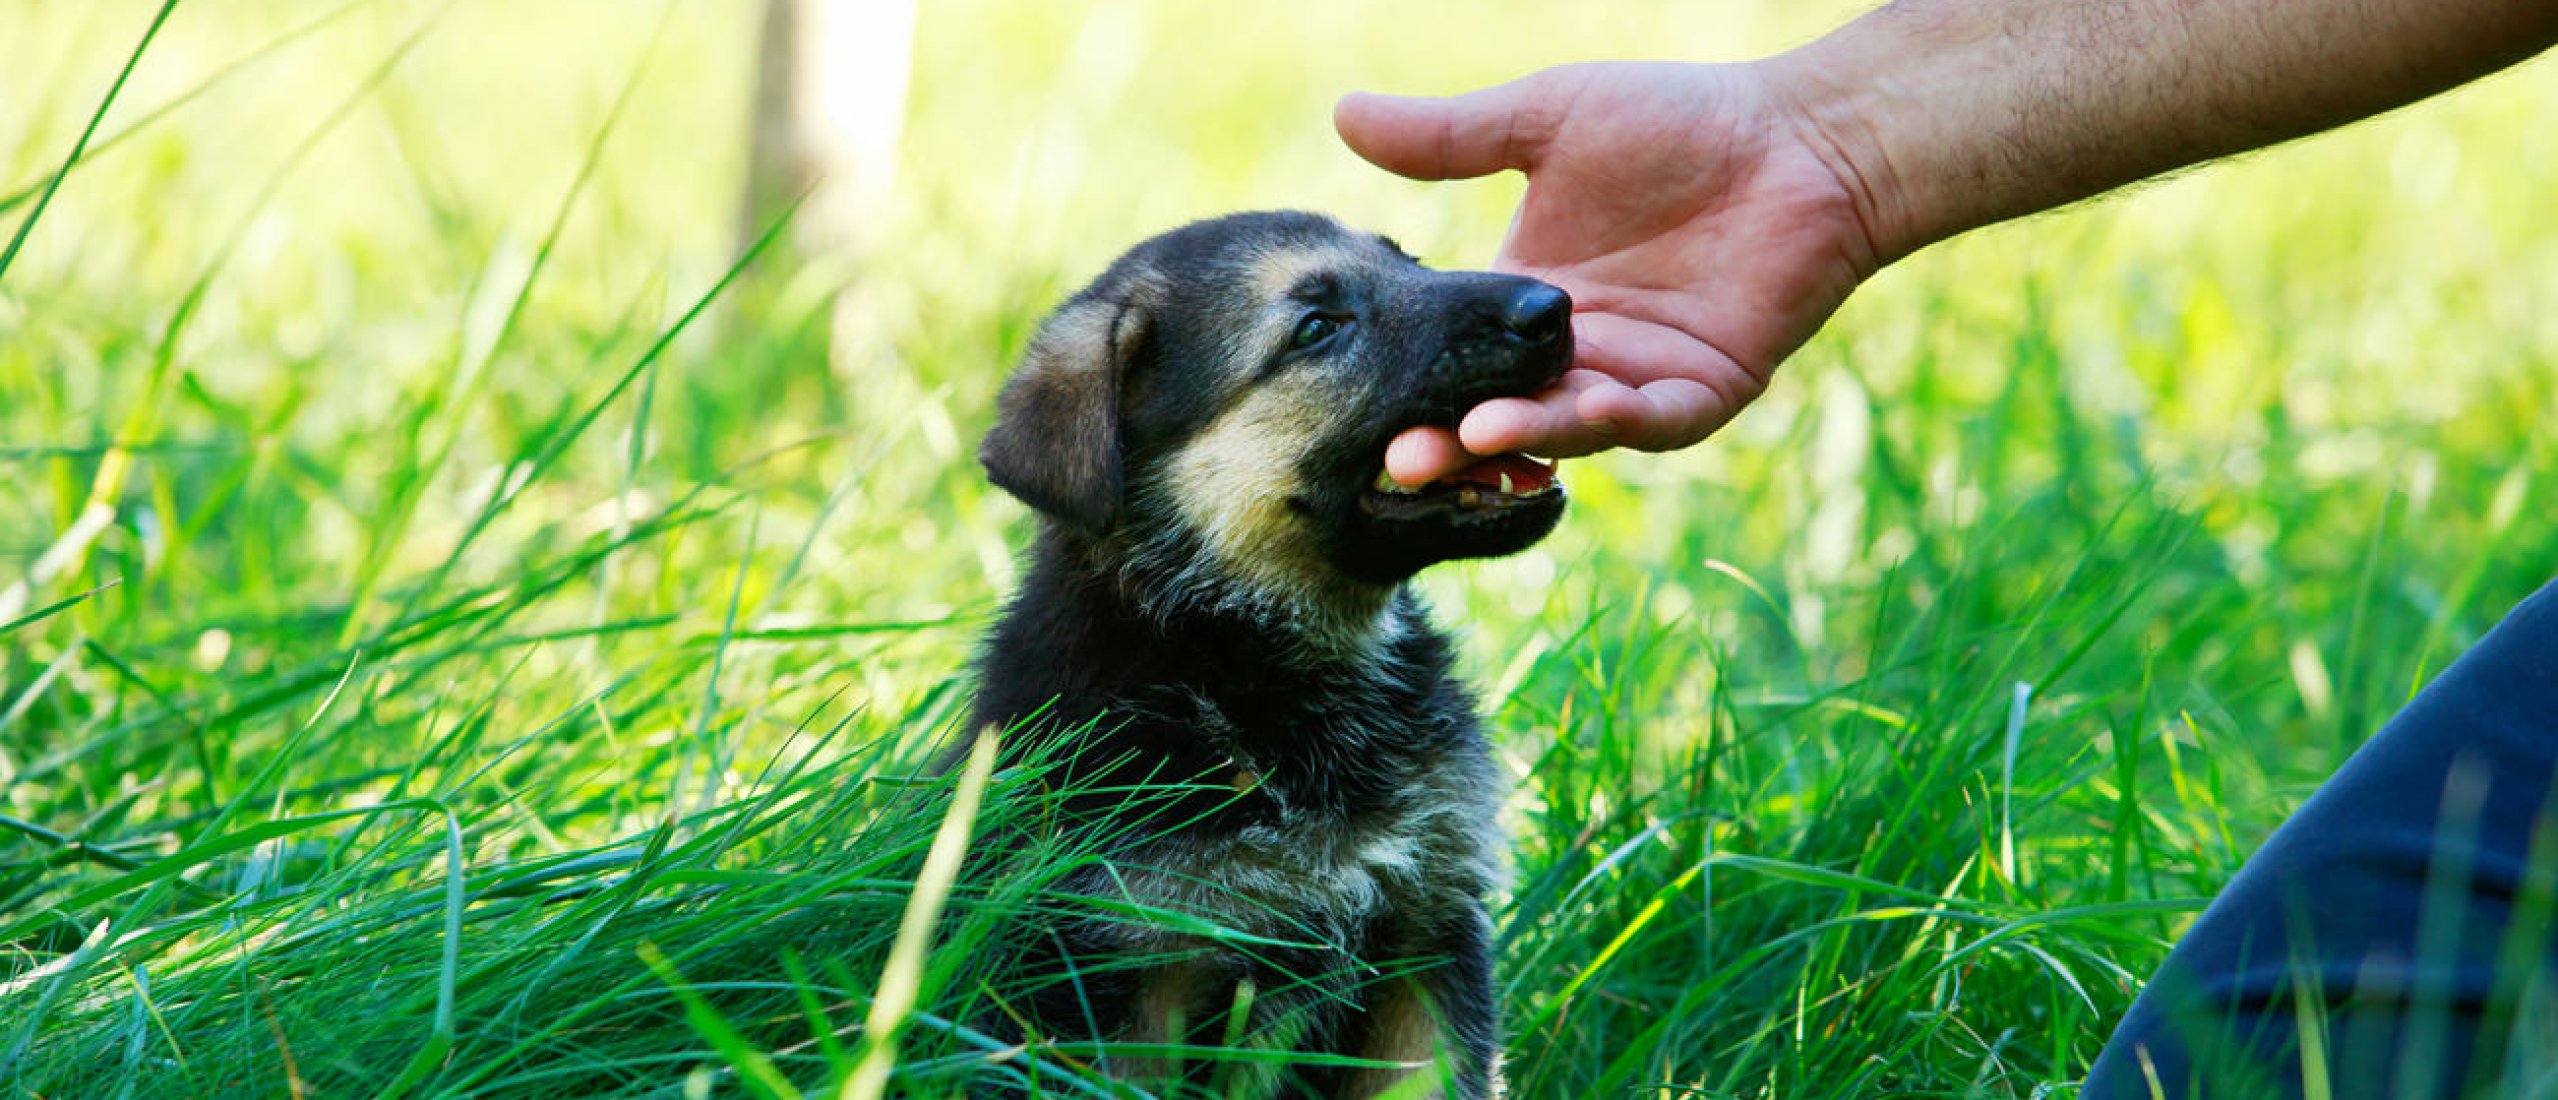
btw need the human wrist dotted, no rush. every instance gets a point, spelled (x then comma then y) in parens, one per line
(1847, 121)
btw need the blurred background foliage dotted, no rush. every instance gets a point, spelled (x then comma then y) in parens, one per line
(2224, 467)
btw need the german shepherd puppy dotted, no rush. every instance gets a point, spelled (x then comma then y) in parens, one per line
(1217, 598)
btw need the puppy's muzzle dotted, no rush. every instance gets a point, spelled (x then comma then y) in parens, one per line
(1515, 340)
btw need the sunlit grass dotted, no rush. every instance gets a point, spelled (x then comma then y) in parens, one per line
(470, 645)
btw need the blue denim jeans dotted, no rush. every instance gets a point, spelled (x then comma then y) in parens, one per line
(2395, 937)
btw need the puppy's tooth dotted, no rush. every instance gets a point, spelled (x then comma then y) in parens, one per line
(1385, 483)
(1470, 497)
(1505, 485)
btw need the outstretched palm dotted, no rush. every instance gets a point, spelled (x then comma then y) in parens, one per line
(1694, 217)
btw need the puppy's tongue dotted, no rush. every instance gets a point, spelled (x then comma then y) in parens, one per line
(1513, 474)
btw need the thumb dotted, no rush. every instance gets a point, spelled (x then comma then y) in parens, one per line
(1454, 137)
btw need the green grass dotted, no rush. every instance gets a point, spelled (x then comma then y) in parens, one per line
(501, 649)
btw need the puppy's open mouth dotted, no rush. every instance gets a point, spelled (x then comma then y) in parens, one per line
(1487, 488)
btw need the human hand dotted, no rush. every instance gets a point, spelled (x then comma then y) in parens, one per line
(1704, 225)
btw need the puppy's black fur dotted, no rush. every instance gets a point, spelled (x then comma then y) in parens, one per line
(1216, 598)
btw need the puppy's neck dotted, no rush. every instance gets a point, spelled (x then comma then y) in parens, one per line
(1328, 713)
(1308, 617)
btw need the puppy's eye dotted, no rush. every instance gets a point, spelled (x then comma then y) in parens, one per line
(1313, 330)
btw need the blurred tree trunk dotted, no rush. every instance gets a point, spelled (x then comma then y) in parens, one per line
(830, 100)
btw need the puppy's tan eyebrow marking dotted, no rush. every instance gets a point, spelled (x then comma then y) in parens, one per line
(1279, 273)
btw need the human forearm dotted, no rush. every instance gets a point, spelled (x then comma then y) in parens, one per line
(1951, 114)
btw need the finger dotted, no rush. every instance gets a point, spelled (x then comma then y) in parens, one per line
(1592, 412)
(1420, 456)
(1658, 416)
(1548, 424)
(1673, 389)
(1639, 352)
(1456, 137)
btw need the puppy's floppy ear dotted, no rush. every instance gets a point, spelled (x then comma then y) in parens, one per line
(1056, 440)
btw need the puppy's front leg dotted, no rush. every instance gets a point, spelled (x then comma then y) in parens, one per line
(1443, 1022)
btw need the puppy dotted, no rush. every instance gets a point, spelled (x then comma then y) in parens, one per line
(1215, 610)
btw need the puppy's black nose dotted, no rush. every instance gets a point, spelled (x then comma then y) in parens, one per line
(1537, 313)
